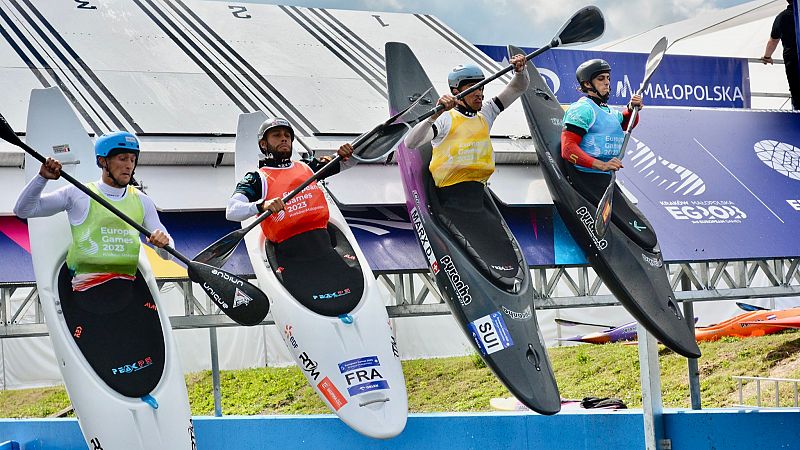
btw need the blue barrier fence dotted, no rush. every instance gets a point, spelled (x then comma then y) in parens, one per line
(618, 430)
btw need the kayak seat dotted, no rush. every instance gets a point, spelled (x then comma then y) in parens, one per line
(320, 270)
(625, 215)
(468, 213)
(117, 329)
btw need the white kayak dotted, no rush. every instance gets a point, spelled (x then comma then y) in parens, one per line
(340, 337)
(120, 365)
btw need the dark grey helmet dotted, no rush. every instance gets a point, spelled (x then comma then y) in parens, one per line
(590, 69)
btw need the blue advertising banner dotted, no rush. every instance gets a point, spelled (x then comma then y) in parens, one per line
(718, 184)
(679, 81)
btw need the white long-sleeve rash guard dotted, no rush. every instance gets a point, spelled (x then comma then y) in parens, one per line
(32, 203)
(423, 132)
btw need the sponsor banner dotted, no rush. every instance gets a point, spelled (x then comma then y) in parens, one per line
(358, 363)
(680, 80)
(491, 334)
(718, 184)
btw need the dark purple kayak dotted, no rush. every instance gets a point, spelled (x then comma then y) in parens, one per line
(469, 252)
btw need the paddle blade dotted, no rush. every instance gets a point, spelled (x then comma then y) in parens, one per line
(381, 143)
(603, 214)
(238, 299)
(749, 307)
(218, 253)
(7, 133)
(584, 26)
(654, 60)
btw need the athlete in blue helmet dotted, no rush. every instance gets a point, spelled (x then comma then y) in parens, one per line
(463, 160)
(99, 269)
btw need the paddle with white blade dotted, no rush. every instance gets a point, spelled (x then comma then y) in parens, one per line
(584, 26)
(603, 214)
(238, 299)
(370, 146)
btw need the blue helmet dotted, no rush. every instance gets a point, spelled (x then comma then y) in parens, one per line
(114, 143)
(464, 74)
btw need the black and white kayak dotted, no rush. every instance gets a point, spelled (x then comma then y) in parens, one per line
(330, 310)
(119, 360)
(474, 257)
(635, 275)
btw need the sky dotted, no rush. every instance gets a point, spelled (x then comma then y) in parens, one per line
(530, 23)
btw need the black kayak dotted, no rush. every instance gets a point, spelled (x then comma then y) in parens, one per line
(476, 261)
(634, 274)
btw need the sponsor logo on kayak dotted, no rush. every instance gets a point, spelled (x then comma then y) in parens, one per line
(503, 268)
(416, 219)
(330, 295)
(96, 445)
(192, 438)
(779, 156)
(287, 332)
(654, 262)
(358, 363)
(240, 298)
(461, 288)
(588, 222)
(491, 334)
(329, 391)
(78, 332)
(59, 149)
(308, 365)
(133, 367)
(227, 277)
(553, 165)
(394, 347)
(524, 315)
(705, 211)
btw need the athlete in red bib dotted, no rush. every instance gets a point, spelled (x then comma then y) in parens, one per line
(278, 175)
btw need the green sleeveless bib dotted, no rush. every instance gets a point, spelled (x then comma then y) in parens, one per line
(103, 243)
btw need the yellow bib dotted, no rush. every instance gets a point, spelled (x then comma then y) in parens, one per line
(465, 154)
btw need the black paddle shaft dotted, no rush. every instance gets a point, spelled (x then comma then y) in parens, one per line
(584, 26)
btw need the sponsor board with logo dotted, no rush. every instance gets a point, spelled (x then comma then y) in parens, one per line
(717, 184)
(680, 80)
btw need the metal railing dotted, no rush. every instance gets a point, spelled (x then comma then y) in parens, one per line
(776, 382)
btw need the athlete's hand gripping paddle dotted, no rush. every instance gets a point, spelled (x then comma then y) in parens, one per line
(584, 26)
(370, 146)
(603, 214)
(238, 299)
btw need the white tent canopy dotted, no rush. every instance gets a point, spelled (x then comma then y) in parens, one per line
(741, 31)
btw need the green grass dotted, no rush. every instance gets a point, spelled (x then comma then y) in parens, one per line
(466, 384)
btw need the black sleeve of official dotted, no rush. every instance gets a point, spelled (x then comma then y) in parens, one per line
(250, 187)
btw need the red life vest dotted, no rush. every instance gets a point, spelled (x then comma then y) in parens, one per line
(307, 211)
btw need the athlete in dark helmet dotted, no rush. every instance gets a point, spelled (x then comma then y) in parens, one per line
(96, 267)
(278, 175)
(297, 230)
(591, 142)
